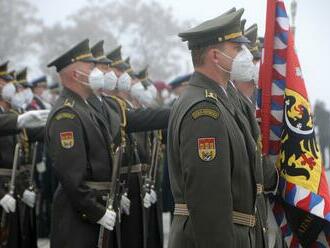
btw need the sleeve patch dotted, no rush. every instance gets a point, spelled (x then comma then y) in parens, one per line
(205, 112)
(67, 139)
(206, 149)
(61, 116)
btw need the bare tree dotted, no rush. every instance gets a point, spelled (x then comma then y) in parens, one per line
(147, 31)
(18, 29)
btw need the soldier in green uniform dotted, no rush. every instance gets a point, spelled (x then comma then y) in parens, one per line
(80, 145)
(22, 232)
(212, 154)
(11, 123)
(135, 120)
(241, 93)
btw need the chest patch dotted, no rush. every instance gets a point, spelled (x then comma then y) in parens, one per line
(206, 149)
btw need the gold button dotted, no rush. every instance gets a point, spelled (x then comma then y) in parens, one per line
(84, 216)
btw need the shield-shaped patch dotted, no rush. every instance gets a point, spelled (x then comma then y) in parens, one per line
(206, 149)
(67, 139)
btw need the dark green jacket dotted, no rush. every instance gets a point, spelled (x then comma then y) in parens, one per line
(212, 182)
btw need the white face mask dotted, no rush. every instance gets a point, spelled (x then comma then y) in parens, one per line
(18, 101)
(242, 68)
(256, 73)
(141, 94)
(170, 99)
(46, 96)
(124, 82)
(28, 95)
(8, 91)
(153, 91)
(96, 79)
(148, 99)
(164, 93)
(110, 80)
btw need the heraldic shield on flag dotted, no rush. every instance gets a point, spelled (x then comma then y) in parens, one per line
(302, 206)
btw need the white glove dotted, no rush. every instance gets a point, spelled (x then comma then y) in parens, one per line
(153, 196)
(29, 198)
(41, 167)
(147, 200)
(8, 203)
(108, 220)
(125, 204)
(32, 119)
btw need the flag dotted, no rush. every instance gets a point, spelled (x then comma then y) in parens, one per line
(302, 208)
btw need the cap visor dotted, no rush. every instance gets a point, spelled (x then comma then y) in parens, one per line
(89, 60)
(7, 78)
(104, 61)
(241, 39)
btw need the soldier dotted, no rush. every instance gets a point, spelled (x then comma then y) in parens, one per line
(211, 152)
(22, 233)
(149, 119)
(80, 145)
(44, 178)
(146, 93)
(39, 89)
(11, 123)
(241, 92)
(248, 88)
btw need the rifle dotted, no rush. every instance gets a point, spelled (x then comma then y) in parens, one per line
(113, 196)
(126, 181)
(150, 179)
(31, 187)
(4, 227)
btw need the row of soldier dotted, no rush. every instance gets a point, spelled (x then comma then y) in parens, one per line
(105, 139)
(118, 103)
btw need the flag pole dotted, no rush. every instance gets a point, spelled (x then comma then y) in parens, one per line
(266, 75)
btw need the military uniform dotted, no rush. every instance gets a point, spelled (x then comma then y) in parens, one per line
(8, 121)
(212, 156)
(80, 145)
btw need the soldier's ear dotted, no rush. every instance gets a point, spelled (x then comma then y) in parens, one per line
(214, 54)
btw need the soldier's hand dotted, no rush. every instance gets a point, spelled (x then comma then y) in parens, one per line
(8, 203)
(108, 220)
(153, 196)
(32, 119)
(29, 198)
(125, 204)
(147, 200)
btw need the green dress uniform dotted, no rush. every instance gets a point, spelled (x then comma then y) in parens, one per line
(23, 229)
(212, 170)
(80, 147)
(8, 124)
(267, 176)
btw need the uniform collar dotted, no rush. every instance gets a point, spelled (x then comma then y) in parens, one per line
(67, 93)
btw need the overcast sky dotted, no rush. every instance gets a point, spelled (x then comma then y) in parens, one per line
(312, 35)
